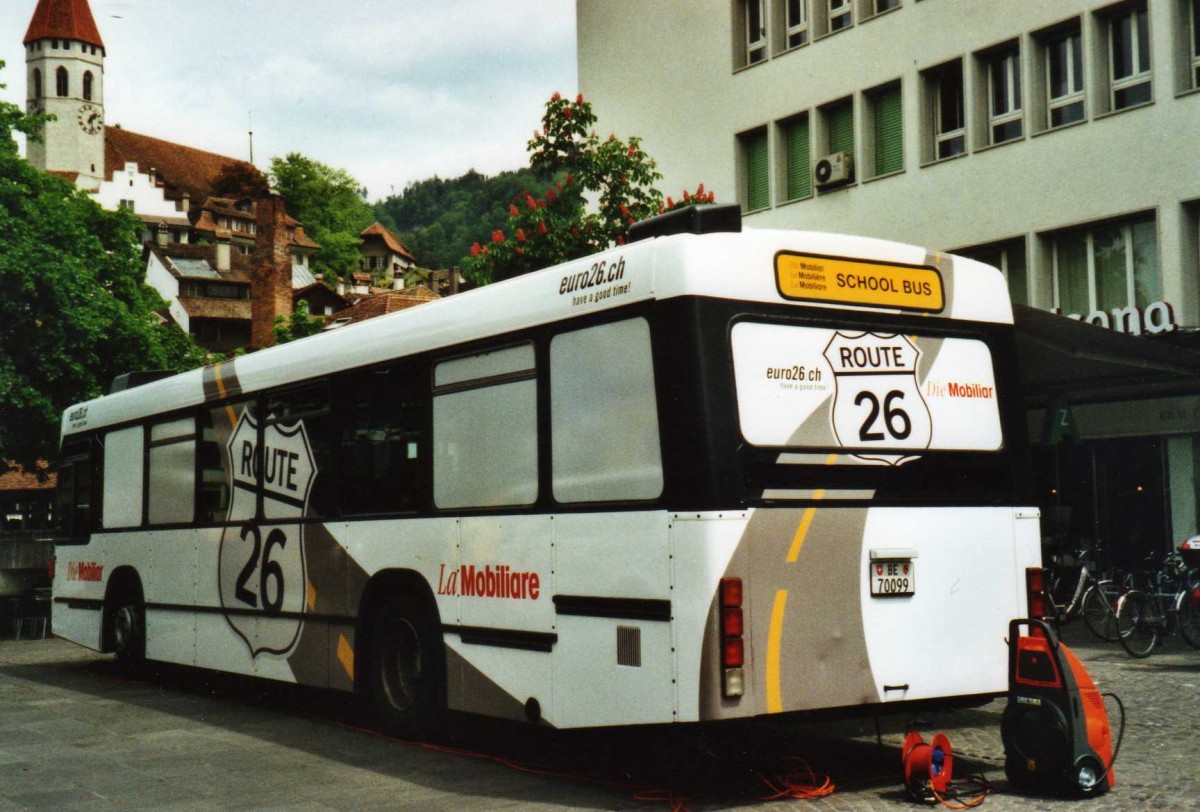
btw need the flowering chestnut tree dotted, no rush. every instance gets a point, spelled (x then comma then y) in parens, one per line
(596, 188)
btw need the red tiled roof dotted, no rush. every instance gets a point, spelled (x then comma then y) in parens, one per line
(183, 169)
(303, 240)
(393, 243)
(65, 174)
(320, 294)
(63, 19)
(383, 303)
(18, 480)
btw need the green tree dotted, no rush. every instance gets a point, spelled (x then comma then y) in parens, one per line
(438, 219)
(560, 223)
(74, 309)
(330, 203)
(240, 179)
(297, 325)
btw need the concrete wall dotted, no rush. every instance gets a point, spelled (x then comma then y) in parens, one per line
(671, 72)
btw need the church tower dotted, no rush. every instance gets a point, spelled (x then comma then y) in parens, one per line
(64, 73)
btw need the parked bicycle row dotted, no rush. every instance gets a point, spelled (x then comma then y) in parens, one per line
(1139, 609)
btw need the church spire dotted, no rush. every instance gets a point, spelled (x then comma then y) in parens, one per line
(65, 20)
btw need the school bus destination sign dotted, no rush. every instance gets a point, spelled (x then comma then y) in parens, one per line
(816, 278)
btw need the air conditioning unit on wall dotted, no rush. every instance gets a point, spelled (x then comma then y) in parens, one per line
(833, 170)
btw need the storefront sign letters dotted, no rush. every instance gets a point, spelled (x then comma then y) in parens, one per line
(1156, 317)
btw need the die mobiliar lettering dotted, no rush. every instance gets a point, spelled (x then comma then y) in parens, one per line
(501, 581)
(85, 571)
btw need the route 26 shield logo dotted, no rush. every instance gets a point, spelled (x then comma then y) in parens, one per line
(262, 574)
(877, 401)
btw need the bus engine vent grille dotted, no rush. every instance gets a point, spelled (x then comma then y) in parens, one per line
(629, 646)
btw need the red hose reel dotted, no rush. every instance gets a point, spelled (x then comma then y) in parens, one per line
(928, 766)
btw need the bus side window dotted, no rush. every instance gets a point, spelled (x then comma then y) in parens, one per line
(78, 484)
(604, 414)
(171, 462)
(485, 430)
(383, 447)
(124, 455)
(215, 427)
(309, 407)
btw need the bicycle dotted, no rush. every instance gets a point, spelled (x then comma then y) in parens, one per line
(1094, 598)
(1170, 603)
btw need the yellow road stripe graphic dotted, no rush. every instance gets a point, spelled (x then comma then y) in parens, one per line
(774, 646)
(345, 655)
(310, 596)
(806, 519)
(221, 392)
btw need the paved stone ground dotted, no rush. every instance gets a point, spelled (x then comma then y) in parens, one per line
(74, 734)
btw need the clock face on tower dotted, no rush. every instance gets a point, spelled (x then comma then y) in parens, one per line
(91, 119)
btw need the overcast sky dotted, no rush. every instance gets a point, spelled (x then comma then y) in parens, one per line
(391, 90)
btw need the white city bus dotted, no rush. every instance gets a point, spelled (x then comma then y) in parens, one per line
(706, 475)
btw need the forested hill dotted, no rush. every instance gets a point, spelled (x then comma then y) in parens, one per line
(439, 219)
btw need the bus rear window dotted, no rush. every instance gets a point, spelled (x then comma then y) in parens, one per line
(871, 393)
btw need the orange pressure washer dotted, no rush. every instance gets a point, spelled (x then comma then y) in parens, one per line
(1056, 734)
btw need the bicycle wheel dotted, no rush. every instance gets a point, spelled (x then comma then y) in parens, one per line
(1136, 628)
(1098, 612)
(1187, 613)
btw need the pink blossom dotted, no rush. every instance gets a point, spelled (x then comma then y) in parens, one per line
(520, 235)
(541, 228)
(512, 210)
(475, 249)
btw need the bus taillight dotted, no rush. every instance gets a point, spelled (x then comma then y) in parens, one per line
(1035, 592)
(733, 650)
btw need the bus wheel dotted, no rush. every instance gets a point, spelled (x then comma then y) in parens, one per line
(405, 682)
(129, 633)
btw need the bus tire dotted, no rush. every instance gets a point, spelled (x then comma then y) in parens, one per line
(126, 611)
(405, 678)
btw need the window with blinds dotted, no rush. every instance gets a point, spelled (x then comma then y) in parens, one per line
(1110, 266)
(1009, 258)
(839, 124)
(756, 163)
(797, 158)
(888, 130)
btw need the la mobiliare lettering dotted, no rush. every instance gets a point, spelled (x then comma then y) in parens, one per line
(503, 581)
